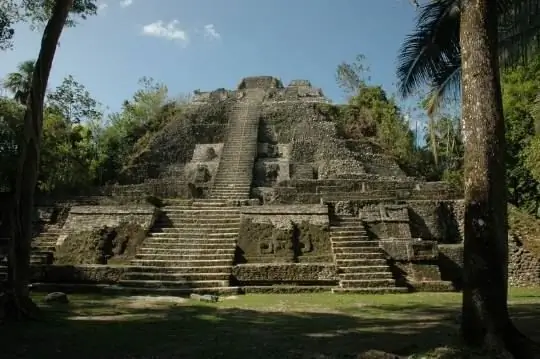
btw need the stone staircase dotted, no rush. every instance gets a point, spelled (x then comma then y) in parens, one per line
(362, 264)
(190, 249)
(44, 246)
(235, 171)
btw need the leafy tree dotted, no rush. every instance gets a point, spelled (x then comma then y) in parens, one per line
(11, 114)
(130, 129)
(431, 55)
(17, 300)
(371, 113)
(532, 158)
(20, 82)
(520, 87)
(37, 14)
(73, 102)
(351, 76)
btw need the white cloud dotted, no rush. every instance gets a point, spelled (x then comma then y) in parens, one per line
(126, 3)
(211, 33)
(169, 31)
(102, 7)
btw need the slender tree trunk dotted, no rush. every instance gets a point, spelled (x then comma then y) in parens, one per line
(485, 320)
(17, 300)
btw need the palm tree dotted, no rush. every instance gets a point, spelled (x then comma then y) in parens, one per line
(446, 30)
(431, 57)
(20, 82)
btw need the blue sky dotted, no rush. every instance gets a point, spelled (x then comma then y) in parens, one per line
(208, 44)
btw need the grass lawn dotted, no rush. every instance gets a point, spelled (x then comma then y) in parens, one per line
(251, 326)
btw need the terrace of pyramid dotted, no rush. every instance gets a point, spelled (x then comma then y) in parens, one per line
(253, 190)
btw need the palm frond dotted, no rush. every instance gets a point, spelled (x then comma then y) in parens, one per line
(445, 86)
(434, 41)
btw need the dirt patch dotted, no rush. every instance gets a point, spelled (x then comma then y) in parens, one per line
(107, 245)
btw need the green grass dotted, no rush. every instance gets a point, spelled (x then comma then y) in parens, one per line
(261, 326)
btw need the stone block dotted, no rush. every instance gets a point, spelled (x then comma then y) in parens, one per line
(207, 152)
(87, 218)
(84, 274)
(284, 273)
(410, 250)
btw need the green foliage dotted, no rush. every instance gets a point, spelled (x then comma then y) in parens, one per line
(520, 88)
(532, 157)
(351, 76)
(10, 131)
(36, 13)
(72, 101)
(370, 113)
(19, 82)
(67, 155)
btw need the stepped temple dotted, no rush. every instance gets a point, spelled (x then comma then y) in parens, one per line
(254, 190)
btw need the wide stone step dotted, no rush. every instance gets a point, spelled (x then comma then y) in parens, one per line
(199, 211)
(347, 231)
(173, 284)
(364, 269)
(370, 290)
(184, 256)
(188, 208)
(349, 238)
(193, 252)
(362, 256)
(195, 204)
(356, 227)
(357, 250)
(353, 243)
(199, 240)
(359, 262)
(367, 283)
(188, 236)
(210, 218)
(195, 229)
(226, 188)
(285, 289)
(177, 276)
(180, 269)
(191, 245)
(231, 195)
(185, 263)
(214, 221)
(368, 275)
(176, 227)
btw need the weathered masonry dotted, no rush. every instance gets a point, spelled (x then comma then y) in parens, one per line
(265, 198)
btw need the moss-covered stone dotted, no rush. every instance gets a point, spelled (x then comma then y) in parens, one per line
(313, 241)
(102, 274)
(285, 242)
(263, 242)
(284, 273)
(101, 246)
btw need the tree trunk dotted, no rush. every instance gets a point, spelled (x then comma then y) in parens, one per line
(485, 320)
(16, 300)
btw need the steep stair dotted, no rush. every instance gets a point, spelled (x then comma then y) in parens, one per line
(362, 264)
(235, 171)
(44, 245)
(190, 249)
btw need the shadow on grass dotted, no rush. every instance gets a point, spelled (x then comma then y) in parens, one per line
(99, 329)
